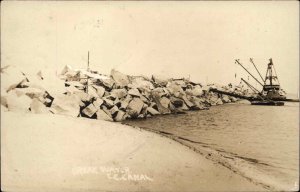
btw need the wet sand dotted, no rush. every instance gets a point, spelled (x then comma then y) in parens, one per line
(58, 153)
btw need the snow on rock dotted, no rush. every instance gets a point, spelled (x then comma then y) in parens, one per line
(77, 92)
(17, 103)
(121, 79)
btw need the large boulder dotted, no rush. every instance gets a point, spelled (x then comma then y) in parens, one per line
(159, 91)
(135, 106)
(66, 105)
(219, 101)
(30, 92)
(160, 80)
(99, 90)
(233, 99)
(119, 93)
(121, 79)
(72, 90)
(124, 104)
(197, 91)
(103, 115)
(134, 92)
(108, 102)
(186, 101)
(113, 111)
(174, 88)
(108, 84)
(152, 111)
(184, 107)
(98, 102)
(106, 110)
(17, 103)
(198, 103)
(141, 83)
(12, 77)
(225, 99)
(161, 108)
(38, 107)
(83, 96)
(165, 102)
(120, 116)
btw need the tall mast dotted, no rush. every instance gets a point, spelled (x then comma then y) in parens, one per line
(88, 64)
(269, 74)
(237, 61)
(251, 60)
(275, 72)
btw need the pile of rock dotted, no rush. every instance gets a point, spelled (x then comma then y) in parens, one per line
(114, 98)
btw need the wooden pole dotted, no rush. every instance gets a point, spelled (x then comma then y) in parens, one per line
(88, 69)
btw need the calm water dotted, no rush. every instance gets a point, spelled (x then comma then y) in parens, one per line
(265, 139)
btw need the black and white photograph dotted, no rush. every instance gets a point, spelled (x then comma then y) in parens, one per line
(183, 96)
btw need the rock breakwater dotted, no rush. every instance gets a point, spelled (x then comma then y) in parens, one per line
(82, 93)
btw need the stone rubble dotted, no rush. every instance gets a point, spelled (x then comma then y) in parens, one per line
(112, 98)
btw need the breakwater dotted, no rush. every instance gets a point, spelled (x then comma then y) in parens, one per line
(114, 97)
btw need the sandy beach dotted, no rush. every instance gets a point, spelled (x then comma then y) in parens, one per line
(58, 153)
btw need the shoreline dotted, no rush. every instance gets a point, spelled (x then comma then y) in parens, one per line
(254, 176)
(34, 154)
(208, 154)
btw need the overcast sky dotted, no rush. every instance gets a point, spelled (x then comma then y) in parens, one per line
(174, 39)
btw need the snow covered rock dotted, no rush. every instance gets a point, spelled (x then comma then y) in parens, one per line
(121, 79)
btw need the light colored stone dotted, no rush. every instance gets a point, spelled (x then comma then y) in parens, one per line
(90, 110)
(121, 79)
(17, 104)
(134, 92)
(66, 105)
(30, 92)
(99, 90)
(197, 91)
(141, 82)
(120, 116)
(135, 106)
(226, 99)
(187, 102)
(83, 96)
(109, 103)
(38, 107)
(219, 101)
(144, 99)
(152, 111)
(160, 80)
(103, 115)
(98, 102)
(161, 108)
(113, 110)
(11, 77)
(165, 102)
(92, 91)
(184, 107)
(124, 104)
(119, 93)
(106, 110)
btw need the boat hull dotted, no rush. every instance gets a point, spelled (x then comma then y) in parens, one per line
(268, 103)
